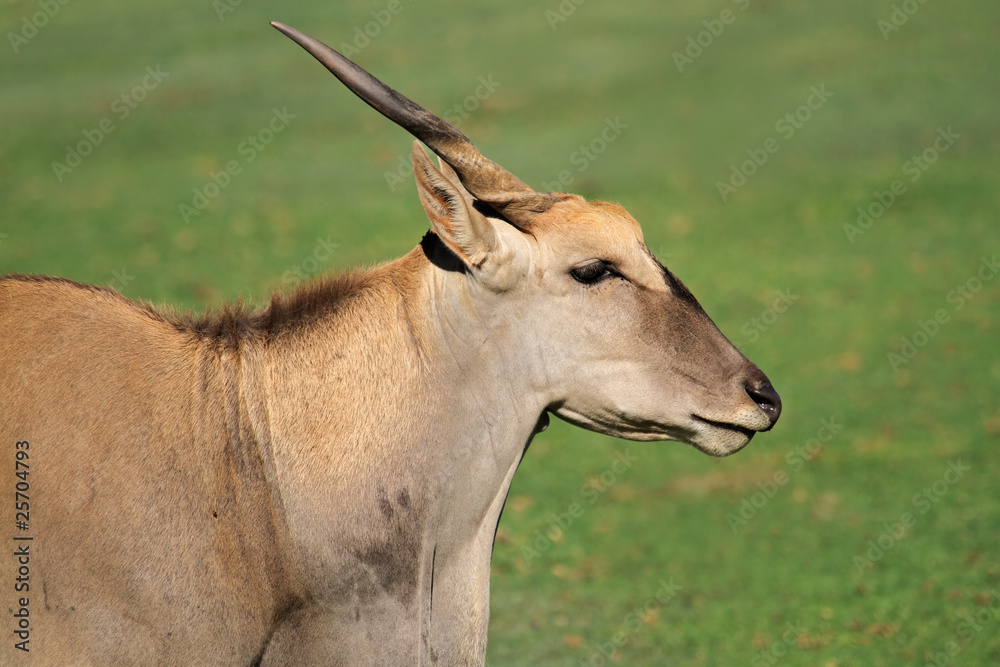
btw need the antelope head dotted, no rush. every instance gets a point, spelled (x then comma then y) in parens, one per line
(623, 347)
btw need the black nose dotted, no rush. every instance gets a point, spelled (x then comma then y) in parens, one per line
(764, 395)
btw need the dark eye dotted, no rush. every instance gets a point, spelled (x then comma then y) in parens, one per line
(593, 273)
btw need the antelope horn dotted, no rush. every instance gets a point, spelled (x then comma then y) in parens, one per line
(485, 179)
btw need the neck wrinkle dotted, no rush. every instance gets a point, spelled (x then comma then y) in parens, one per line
(494, 385)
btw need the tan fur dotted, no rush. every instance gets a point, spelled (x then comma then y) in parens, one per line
(318, 482)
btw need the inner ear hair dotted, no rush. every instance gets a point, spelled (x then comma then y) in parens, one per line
(451, 211)
(484, 208)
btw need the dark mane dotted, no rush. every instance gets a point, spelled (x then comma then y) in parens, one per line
(297, 311)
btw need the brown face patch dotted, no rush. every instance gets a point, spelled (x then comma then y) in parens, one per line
(679, 289)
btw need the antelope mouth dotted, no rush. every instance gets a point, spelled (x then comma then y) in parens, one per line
(713, 437)
(728, 426)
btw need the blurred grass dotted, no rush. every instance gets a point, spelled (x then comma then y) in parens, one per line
(664, 518)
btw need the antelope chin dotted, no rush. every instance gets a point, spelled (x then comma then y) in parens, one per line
(720, 438)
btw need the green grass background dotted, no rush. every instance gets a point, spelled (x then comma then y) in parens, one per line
(665, 517)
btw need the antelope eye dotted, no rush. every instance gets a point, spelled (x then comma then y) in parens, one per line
(593, 273)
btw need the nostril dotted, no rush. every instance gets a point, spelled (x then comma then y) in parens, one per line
(764, 395)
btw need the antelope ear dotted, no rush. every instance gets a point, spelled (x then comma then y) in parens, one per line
(449, 208)
(448, 172)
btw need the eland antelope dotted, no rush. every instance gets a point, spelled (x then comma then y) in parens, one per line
(318, 482)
